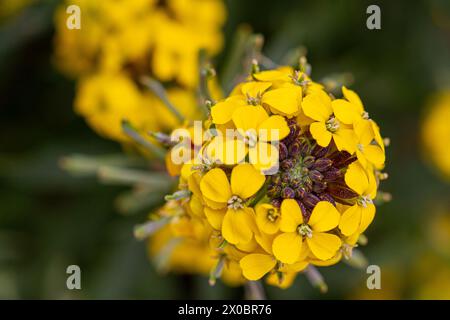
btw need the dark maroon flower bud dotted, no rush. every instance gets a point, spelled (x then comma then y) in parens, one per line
(277, 202)
(287, 164)
(300, 193)
(332, 174)
(274, 191)
(315, 175)
(303, 209)
(283, 150)
(319, 151)
(293, 132)
(322, 164)
(319, 186)
(341, 191)
(295, 183)
(342, 159)
(310, 200)
(308, 184)
(327, 197)
(308, 161)
(294, 149)
(285, 177)
(275, 180)
(288, 193)
(304, 149)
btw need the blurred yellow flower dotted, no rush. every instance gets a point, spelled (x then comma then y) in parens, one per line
(120, 41)
(436, 132)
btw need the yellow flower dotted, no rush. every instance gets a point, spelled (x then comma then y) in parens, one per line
(359, 216)
(288, 246)
(267, 218)
(367, 148)
(328, 125)
(227, 209)
(436, 133)
(285, 100)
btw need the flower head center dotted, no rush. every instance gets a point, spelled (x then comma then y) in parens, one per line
(304, 230)
(235, 203)
(332, 124)
(254, 101)
(272, 215)
(364, 201)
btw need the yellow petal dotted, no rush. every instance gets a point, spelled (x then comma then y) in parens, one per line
(249, 117)
(272, 75)
(222, 111)
(237, 226)
(374, 154)
(367, 216)
(196, 206)
(285, 101)
(351, 96)
(291, 216)
(215, 217)
(226, 150)
(356, 178)
(345, 111)
(213, 204)
(265, 240)
(324, 217)
(246, 180)
(350, 220)
(323, 245)
(320, 133)
(254, 89)
(255, 266)
(274, 128)
(215, 186)
(287, 247)
(317, 106)
(250, 246)
(345, 139)
(364, 132)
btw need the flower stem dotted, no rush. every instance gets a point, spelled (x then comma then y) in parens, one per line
(254, 290)
(159, 91)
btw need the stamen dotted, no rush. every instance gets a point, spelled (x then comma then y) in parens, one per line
(332, 124)
(235, 203)
(304, 230)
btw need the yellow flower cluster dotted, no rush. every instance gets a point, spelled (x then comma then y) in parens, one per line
(436, 132)
(305, 200)
(120, 41)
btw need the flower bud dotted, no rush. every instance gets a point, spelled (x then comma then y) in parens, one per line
(341, 191)
(288, 193)
(315, 175)
(322, 164)
(310, 200)
(283, 150)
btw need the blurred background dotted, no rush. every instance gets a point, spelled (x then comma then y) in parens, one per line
(50, 219)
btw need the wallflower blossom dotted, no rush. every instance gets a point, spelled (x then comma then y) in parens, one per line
(311, 211)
